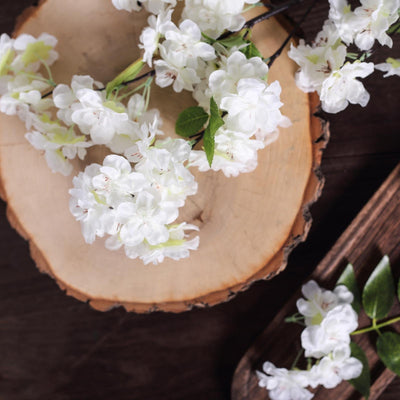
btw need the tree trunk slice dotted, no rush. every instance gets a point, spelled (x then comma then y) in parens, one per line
(374, 232)
(248, 225)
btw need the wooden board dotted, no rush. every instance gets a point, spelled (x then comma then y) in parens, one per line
(373, 233)
(248, 224)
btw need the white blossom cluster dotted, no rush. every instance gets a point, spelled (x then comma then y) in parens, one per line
(329, 319)
(324, 65)
(23, 88)
(188, 61)
(252, 109)
(138, 207)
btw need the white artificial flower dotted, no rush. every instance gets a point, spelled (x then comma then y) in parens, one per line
(317, 62)
(214, 17)
(150, 35)
(172, 70)
(186, 41)
(153, 6)
(237, 67)
(163, 165)
(129, 205)
(334, 368)
(391, 67)
(144, 126)
(345, 21)
(235, 153)
(334, 331)
(367, 23)
(97, 218)
(342, 87)
(255, 108)
(320, 301)
(177, 246)
(376, 17)
(283, 384)
(24, 96)
(144, 220)
(65, 96)
(98, 117)
(116, 182)
(127, 5)
(60, 145)
(6, 54)
(31, 51)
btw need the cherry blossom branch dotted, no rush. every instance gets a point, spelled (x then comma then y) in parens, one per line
(139, 78)
(291, 34)
(274, 10)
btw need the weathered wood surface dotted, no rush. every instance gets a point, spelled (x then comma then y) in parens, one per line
(54, 347)
(248, 225)
(374, 233)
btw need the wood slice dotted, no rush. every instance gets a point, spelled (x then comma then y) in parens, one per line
(248, 225)
(374, 232)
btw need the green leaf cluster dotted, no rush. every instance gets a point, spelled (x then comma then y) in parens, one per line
(377, 299)
(192, 120)
(246, 46)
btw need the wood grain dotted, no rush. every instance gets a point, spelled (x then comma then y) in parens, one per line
(372, 234)
(248, 225)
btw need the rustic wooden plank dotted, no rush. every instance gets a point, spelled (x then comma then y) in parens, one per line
(191, 355)
(373, 233)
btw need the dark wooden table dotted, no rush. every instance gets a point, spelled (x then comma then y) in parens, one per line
(54, 347)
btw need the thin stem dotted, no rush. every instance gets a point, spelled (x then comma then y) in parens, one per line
(124, 96)
(197, 134)
(251, 6)
(296, 360)
(291, 34)
(47, 94)
(51, 80)
(270, 13)
(139, 78)
(376, 327)
(295, 318)
(194, 142)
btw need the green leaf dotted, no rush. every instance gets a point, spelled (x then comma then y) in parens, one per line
(126, 75)
(378, 294)
(348, 279)
(363, 382)
(251, 51)
(209, 135)
(233, 41)
(190, 121)
(388, 345)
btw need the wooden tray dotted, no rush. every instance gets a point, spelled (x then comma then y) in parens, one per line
(248, 224)
(374, 232)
